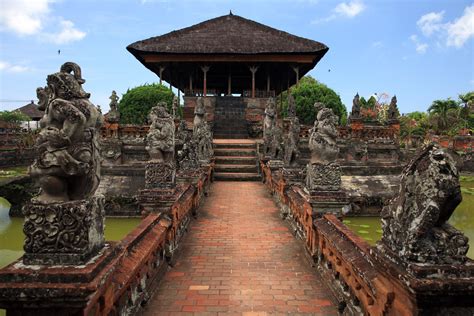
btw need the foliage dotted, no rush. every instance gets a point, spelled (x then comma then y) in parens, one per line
(137, 102)
(309, 91)
(442, 110)
(14, 117)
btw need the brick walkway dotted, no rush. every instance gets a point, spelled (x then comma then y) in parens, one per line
(240, 258)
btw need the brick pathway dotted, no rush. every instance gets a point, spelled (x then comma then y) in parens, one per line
(239, 258)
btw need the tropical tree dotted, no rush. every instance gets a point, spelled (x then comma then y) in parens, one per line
(439, 110)
(137, 102)
(306, 93)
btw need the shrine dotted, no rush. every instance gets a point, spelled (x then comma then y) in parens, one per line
(234, 64)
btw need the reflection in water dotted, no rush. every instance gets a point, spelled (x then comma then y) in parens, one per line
(4, 217)
(369, 228)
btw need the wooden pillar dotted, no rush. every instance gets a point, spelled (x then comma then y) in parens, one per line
(205, 69)
(268, 82)
(253, 70)
(296, 69)
(161, 73)
(229, 84)
(191, 84)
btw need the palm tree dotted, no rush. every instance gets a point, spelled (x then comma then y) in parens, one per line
(441, 108)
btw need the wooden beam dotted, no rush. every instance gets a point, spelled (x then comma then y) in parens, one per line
(305, 59)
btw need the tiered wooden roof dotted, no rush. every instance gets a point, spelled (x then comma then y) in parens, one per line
(229, 43)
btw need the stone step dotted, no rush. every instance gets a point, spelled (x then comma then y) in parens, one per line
(235, 160)
(235, 152)
(230, 136)
(230, 176)
(236, 168)
(234, 145)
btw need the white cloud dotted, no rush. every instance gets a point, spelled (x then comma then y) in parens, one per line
(377, 44)
(7, 67)
(430, 23)
(30, 17)
(455, 33)
(23, 17)
(67, 34)
(462, 29)
(343, 9)
(350, 9)
(420, 47)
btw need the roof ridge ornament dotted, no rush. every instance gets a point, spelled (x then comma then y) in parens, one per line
(230, 12)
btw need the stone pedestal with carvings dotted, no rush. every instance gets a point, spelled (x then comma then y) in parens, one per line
(63, 233)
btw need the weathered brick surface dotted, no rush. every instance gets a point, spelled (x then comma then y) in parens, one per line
(240, 258)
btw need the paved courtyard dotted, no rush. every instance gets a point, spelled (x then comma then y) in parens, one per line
(239, 258)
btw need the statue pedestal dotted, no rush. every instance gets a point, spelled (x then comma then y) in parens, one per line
(427, 289)
(59, 290)
(323, 177)
(323, 202)
(63, 233)
(160, 190)
(160, 174)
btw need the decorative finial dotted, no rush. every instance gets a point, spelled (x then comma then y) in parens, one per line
(230, 12)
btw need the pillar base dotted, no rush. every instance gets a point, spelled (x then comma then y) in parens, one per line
(65, 233)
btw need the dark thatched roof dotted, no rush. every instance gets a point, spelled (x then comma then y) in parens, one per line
(31, 110)
(229, 34)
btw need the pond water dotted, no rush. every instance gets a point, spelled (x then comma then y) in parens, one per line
(11, 234)
(369, 228)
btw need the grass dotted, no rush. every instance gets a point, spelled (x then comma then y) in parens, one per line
(12, 172)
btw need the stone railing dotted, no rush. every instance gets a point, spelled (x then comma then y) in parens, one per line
(119, 281)
(364, 281)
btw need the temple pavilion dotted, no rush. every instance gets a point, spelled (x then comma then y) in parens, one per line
(234, 64)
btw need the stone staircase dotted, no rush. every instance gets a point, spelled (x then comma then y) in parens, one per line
(235, 161)
(229, 118)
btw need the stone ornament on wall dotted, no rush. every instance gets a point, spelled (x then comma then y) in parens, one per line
(392, 114)
(323, 172)
(114, 115)
(202, 134)
(355, 113)
(415, 224)
(64, 224)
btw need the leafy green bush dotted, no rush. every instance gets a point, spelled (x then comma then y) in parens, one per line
(309, 91)
(137, 102)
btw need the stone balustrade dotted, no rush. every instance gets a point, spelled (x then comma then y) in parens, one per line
(364, 281)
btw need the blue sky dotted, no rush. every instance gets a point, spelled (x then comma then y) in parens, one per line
(420, 50)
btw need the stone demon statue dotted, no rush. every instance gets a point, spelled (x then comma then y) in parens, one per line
(291, 143)
(67, 163)
(269, 123)
(323, 173)
(160, 137)
(202, 134)
(415, 224)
